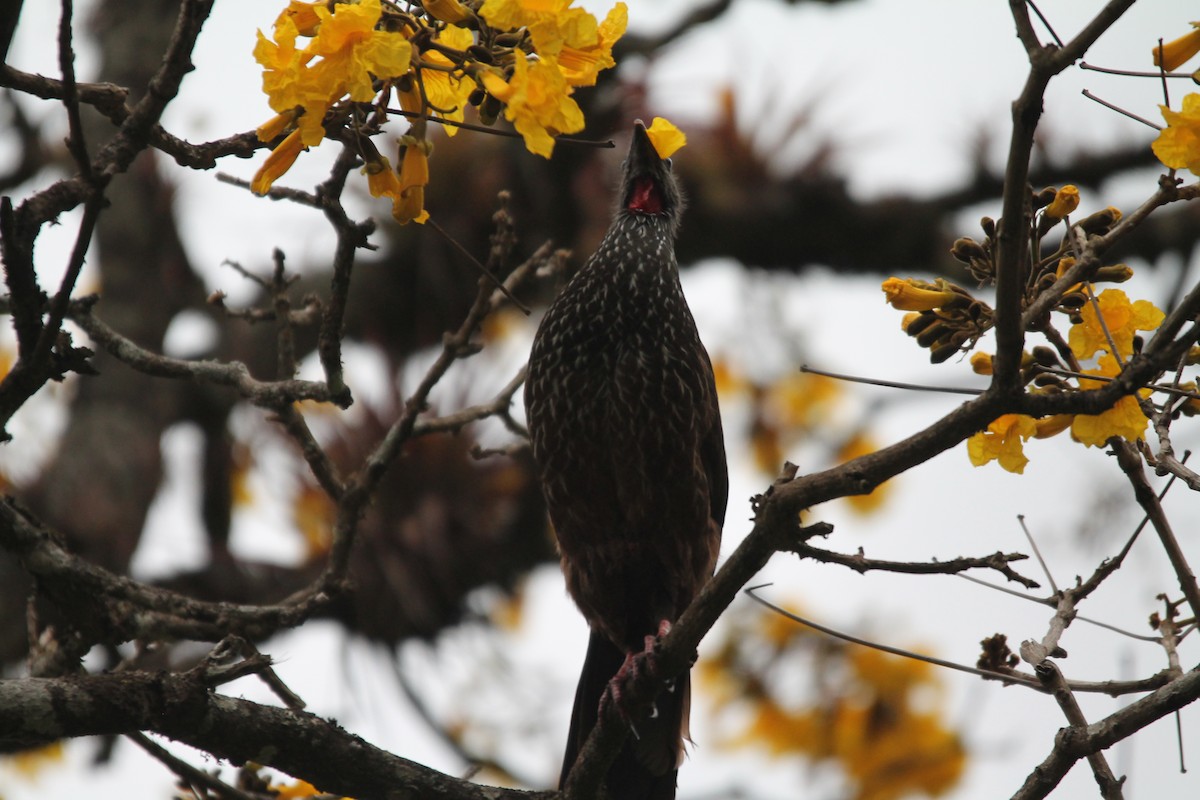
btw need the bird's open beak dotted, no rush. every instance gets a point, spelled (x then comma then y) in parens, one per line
(643, 158)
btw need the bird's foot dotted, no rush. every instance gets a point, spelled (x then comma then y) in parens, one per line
(636, 667)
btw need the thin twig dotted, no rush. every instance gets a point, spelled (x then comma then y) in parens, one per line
(861, 564)
(465, 253)
(605, 143)
(1132, 73)
(1113, 688)
(187, 773)
(1120, 110)
(1037, 553)
(916, 387)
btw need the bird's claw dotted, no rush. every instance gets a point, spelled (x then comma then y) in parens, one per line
(635, 666)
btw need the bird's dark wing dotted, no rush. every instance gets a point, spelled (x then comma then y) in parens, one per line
(712, 456)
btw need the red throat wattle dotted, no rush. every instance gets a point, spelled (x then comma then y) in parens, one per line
(646, 197)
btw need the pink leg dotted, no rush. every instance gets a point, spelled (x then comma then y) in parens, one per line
(635, 665)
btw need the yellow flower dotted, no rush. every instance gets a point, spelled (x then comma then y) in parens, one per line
(1178, 145)
(537, 101)
(1065, 201)
(581, 65)
(1052, 426)
(351, 53)
(30, 763)
(552, 24)
(1122, 319)
(665, 137)
(1173, 54)
(729, 381)
(409, 205)
(766, 447)
(801, 400)
(381, 178)
(278, 162)
(1125, 419)
(450, 11)
(1003, 441)
(914, 295)
(981, 363)
(447, 91)
(303, 15)
(275, 126)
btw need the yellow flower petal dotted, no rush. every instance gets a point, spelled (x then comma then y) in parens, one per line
(278, 162)
(1003, 441)
(914, 295)
(1178, 144)
(450, 11)
(381, 178)
(1121, 318)
(981, 363)
(1125, 420)
(1172, 55)
(537, 101)
(1065, 201)
(665, 137)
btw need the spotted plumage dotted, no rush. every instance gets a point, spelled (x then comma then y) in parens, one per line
(626, 432)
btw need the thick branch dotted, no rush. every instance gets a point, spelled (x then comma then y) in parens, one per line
(183, 708)
(1076, 742)
(1052, 678)
(115, 609)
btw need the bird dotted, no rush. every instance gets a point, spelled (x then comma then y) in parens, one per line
(625, 429)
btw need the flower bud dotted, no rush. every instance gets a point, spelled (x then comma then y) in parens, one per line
(967, 250)
(1045, 356)
(1100, 221)
(943, 352)
(1114, 273)
(1044, 198)
(914, 323)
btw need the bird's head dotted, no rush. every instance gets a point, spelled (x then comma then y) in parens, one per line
(648, 185)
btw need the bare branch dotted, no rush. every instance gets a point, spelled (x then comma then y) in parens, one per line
(1131, 464)
(861, 564)
(183, 707)
(115, 609)
(1076, 742)
(1050, 676)
(268, 394)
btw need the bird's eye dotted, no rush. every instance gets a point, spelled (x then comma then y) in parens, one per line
(670, 164)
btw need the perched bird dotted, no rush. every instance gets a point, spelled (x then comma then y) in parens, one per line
(626, 432)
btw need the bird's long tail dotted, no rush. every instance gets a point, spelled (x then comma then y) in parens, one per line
(649, 760)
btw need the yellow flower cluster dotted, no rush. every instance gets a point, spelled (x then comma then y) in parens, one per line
(876, 716)
(1114, 325)
(524, 56)
(947, 319)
